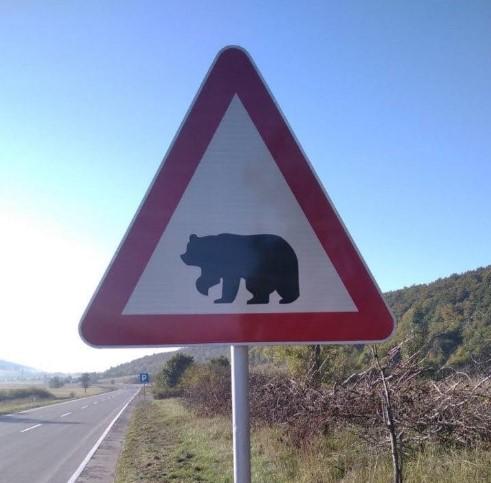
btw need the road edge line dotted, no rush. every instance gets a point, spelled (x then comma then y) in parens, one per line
(87, 458)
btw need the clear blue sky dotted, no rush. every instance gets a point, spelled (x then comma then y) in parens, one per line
(390, 100)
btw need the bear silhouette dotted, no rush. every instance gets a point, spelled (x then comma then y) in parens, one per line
(266, 262)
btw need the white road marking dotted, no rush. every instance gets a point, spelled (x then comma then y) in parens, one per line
(79, 470)
(32, 427)
(95, 402)
(85, 407)
(66, 414)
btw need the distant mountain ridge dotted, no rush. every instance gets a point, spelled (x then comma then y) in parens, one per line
(11, 371)
(153, 363)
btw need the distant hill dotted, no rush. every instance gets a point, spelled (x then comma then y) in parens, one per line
(153, 363)
(10, 372)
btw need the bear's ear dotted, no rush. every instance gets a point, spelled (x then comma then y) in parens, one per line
(193, 237)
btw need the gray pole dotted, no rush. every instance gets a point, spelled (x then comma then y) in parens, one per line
(240, 413)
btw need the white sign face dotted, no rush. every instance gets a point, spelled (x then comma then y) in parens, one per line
(237, 188)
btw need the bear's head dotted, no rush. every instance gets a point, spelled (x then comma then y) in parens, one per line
(200, 253)
(194, 253)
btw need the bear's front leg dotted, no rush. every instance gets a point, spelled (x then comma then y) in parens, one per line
(230, 288)
(205, 282)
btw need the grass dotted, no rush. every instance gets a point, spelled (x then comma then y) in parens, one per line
(76, 391)
(165, 442)
(29, 399)
(168, 443)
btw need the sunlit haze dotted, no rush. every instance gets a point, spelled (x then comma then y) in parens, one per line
(47, 275)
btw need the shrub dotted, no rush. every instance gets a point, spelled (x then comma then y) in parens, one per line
(167, 382)
(219, 363)
(455, 410)
(24, 393)
(207, 387)
(174, 369)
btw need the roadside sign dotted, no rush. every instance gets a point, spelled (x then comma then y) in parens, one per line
(144, 378)
(236, 240)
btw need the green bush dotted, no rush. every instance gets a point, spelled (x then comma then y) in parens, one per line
(207, 387)
(220, 363)
(25, 393)
(174, 369)
(162, 392)
(167, 382)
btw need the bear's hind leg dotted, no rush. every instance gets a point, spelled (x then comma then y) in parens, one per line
(259, 290)
(230, 288)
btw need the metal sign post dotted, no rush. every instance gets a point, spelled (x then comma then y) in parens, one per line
(144, 379)
(240, 413)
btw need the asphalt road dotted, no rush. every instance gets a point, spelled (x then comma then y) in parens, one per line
(49, 444)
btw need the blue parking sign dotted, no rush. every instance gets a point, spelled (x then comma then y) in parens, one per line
(144, 378)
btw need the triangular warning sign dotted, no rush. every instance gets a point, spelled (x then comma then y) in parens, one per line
(236, 241)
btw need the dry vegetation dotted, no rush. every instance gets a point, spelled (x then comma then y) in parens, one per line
(455, 410)
(392, 410)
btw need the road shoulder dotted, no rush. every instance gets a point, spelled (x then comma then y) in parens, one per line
(101, 467)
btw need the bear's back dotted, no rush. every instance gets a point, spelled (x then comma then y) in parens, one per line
(256, 252)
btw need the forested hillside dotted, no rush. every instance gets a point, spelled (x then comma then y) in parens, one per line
(449, 320)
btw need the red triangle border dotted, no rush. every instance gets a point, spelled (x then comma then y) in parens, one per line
(103, 325)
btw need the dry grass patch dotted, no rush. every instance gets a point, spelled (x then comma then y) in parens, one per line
(76, 391)
(29, 397)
